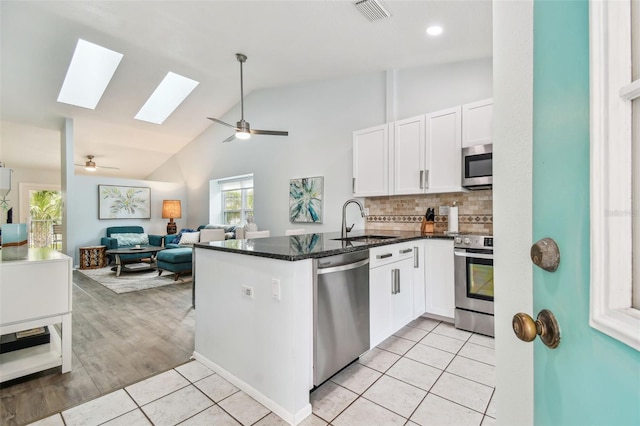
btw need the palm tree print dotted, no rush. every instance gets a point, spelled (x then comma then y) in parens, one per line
(131, 201)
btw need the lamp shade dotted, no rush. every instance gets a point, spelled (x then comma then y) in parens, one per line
(171, 209)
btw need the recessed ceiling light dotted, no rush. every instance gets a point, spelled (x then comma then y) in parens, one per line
(170, 93)
(88, 75)
(434, 30)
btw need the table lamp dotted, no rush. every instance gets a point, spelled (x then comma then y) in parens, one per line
(171, 210)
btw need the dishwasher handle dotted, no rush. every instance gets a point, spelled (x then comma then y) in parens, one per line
(342, 268)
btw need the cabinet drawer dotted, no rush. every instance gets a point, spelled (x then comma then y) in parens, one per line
(34, 290)
(384, 255)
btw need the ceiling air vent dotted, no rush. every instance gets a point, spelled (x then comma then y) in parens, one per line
(373, 9)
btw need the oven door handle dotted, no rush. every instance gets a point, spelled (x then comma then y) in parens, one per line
(462, 253)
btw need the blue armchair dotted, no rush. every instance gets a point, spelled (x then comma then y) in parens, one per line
(111, 241)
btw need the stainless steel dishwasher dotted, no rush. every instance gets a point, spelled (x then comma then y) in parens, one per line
(340, 312)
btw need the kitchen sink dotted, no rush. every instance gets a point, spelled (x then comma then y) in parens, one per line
(366, 238)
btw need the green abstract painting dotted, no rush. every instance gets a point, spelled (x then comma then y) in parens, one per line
(305, 200)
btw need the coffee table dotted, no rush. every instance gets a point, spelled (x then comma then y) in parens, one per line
(121, 264)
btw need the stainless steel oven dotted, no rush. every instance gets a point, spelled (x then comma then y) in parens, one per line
(473, 262)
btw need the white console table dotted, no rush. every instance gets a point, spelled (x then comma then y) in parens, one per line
(36, 292)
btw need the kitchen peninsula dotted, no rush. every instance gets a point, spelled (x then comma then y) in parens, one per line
(254, 310)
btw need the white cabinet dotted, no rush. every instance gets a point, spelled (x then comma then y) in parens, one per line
(419, 155)
(371, 161)
(409, 155)
(477, 123)
(36, 292)
(439, 277)
(443, 152)
(390, 290)
(419, 297)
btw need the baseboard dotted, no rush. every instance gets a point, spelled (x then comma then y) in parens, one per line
(291, 418)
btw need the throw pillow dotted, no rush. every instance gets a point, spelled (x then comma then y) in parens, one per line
(131, 239)
(189, 238)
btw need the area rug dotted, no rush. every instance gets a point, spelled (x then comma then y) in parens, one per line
(132, 281)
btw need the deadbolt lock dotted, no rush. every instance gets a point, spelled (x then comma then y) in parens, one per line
(545, 326)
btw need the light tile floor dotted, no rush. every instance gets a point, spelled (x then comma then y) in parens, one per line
(428, 373)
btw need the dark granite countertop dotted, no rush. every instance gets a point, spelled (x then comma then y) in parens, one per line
(309, 246)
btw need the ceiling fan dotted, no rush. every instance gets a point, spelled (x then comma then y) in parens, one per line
(243, 130)
(90, 165)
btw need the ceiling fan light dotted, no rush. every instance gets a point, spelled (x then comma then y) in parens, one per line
(243, 134)
(90, 168)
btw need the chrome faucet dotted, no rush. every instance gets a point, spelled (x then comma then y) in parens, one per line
(346, 229)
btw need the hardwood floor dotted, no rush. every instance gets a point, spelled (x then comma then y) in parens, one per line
(118, 339)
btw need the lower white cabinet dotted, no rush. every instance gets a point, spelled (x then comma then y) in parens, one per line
(391, 287)
(419, 296)
(439, 277)
(36, 292)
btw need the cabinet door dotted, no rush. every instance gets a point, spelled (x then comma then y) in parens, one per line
(380, 323)
(439, 278)
(443, 141)
(419, 298)
(371, 161)
(402, 300)
(409, 156)
(477, 123)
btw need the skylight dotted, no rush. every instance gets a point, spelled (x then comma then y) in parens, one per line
(88, 75)
(170, 93)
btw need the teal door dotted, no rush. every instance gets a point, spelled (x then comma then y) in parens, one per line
(591, 378)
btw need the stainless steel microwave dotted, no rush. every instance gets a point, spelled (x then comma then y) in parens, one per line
(477, 167)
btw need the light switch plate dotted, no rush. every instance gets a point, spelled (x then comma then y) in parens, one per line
(275, 289)
(443, 211)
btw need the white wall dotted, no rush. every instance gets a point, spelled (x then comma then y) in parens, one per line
(512, 205)
(320, 117)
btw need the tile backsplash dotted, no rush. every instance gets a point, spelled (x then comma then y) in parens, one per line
(405, 212)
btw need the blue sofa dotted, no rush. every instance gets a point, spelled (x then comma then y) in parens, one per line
(111, 241)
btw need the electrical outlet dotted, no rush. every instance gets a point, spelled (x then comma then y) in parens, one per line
(443, 211)
(247, 291)
(366, 211)
(275, 289)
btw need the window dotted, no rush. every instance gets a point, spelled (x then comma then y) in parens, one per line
(237, 199)
(615, 169)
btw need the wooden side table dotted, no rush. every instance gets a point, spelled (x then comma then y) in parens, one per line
(93, 257)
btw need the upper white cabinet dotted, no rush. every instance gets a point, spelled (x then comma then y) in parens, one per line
(410, 155)
(477, 119)
(419, 155)
(443, 140)
(371, 161)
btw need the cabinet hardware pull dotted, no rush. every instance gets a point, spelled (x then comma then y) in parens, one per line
(397, 281)
(421, 179)
(405, 251)
(384, 256)
(353, 185)
(426, 180)
(393, 281)
(416, 258)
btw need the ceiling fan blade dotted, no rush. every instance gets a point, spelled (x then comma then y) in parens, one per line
(269, 132)
(221, 122)
(107, 167)
(230, 138)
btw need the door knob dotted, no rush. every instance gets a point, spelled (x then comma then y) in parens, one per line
(545, 326)
(546, 254)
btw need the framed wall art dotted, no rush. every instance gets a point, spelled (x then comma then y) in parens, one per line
(305, 200)
(124, 202)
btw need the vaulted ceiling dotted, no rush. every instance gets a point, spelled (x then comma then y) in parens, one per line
(286, 42)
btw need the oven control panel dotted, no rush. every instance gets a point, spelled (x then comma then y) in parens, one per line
(473, 241)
